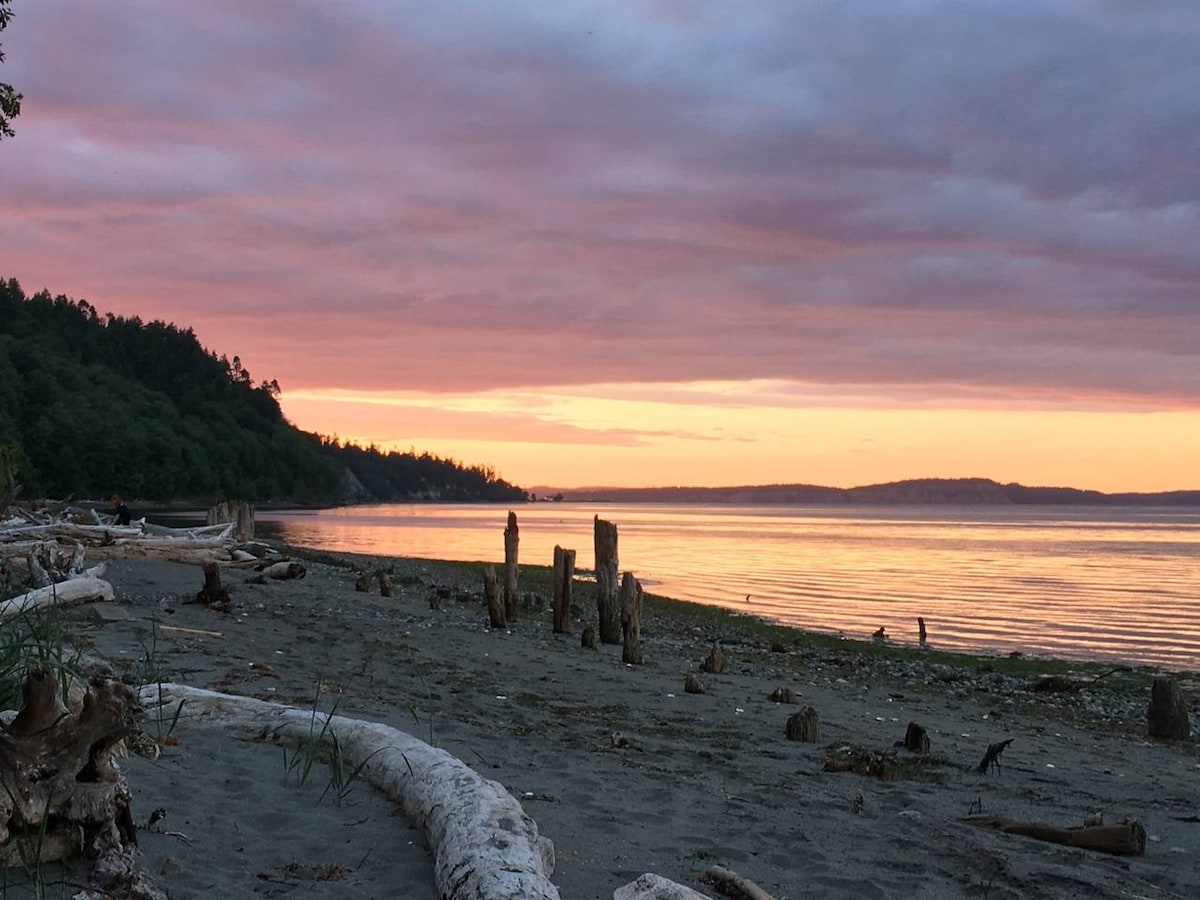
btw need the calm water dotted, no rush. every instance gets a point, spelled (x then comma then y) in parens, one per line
(1077, 582)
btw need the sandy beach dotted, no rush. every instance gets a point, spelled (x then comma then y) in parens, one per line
(620, 767)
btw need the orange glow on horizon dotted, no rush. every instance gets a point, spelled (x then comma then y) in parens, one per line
(724, 434)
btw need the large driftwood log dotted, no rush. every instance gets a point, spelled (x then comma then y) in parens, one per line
(608, 606)
(1167, 716)
(512, 540)
(1126, 838)
(631, 620)
(564, 577)
(655, 887)
(77, 590)
(61, 795)
(484, 845)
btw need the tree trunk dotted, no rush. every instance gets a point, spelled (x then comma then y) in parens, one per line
(631, 620)
(1168, 713)
(511, 540)
(483, 843)
(495, 604)
(564, 576)
(604, 536)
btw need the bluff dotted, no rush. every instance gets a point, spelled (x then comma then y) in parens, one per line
(92, 405)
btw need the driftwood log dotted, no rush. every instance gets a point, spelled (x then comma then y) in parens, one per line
(1167, 716)
(631, 620)
(62, 796)
(495, 603)
(1125, 839)
(77, 590)
(879, 764)
(484, 845)
(564, 577)
(655, 887)
(608, 606)
(731, 884)
(512, 540)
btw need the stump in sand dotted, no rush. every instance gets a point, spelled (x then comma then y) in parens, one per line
(364, 581)
(564, 576)
(715, 661)
(62, 796)
(495, 604)
(916, 739)
(604, 538)
(631, 619)
(512, 539)
(1168, 713)
(694, 684)
(241, 514)
(587, 640)
(804, 726)
(213, 594)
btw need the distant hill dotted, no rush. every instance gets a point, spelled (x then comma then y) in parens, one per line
(920, 491)
(94, 404)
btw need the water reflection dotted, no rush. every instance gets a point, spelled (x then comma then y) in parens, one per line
(1120, 584)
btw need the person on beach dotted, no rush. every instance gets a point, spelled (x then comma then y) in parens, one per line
(120, 510)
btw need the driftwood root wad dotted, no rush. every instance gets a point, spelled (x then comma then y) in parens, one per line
(61, 795)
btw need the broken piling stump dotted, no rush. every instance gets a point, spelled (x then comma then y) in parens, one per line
(631, 620)
(715, 661)
(511, 541)
(495, 603)
(608, 606)
(564, 576)
(804, 726)
(916, 739)
(1167, 716)
(213, 594)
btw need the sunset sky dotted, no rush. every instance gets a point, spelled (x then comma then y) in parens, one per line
(646, 243)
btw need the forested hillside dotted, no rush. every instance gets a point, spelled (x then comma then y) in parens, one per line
(92, 405)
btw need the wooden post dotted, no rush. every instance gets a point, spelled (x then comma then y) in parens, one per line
(804, 726)
(213, 594)
(587, 640)
(1168, 713)
(495, 605)
(511, 540)
(236, 511)
(921, 627)
(715, 661)
(607, 603)
(564, 576)
(631, 620)
(916, 739)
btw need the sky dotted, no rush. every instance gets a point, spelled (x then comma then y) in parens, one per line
(646, 243)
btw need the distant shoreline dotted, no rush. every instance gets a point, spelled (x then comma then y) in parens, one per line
(915, 492)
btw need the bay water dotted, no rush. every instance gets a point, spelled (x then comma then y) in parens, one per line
(1120, 584)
